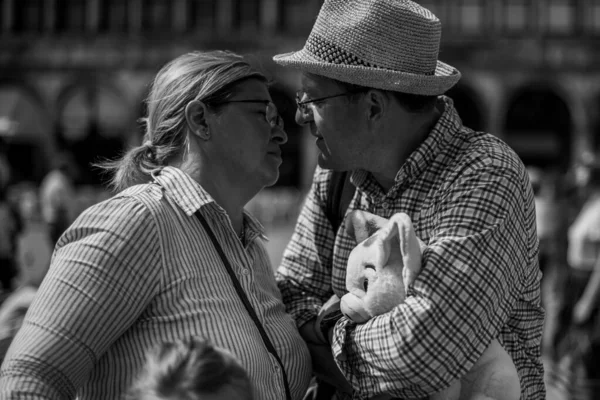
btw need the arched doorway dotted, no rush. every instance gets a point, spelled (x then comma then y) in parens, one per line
(468, 105)
(538, 127)
(25, 133)
(93, 125)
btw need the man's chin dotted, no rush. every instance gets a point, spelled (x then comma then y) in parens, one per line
(325, 163)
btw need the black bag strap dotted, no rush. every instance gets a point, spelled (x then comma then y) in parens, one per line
(339, 195)
(244, 298)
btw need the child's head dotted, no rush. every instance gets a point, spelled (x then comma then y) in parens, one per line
(192, 370)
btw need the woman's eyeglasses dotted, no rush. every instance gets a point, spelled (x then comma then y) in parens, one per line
(271, 114)
(303, 105)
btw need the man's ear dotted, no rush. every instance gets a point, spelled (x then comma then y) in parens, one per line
(411, 247)
(377, 104)
(362, 224)
(195, 116)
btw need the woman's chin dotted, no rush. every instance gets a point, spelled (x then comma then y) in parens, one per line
(271, 179)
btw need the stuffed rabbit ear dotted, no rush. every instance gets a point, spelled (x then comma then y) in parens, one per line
(411, 247)
(362, 224)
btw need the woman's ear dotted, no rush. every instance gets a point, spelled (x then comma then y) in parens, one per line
(195, 116)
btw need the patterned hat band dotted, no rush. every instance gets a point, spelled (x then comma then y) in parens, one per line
(332, 53)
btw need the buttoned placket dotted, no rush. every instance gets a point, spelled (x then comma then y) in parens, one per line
(241, 262)
(245, 265)
(247, 260)
(246, 275)
(277, 374)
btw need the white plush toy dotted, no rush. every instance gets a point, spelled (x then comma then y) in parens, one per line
(380, 268)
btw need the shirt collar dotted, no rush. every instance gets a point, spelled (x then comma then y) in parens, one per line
(253, 228)
(183, 190)
(190, 196)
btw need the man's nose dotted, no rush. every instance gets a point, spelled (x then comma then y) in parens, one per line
(302, 118)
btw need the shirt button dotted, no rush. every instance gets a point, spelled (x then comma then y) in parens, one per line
(385, 206)
(245, 271)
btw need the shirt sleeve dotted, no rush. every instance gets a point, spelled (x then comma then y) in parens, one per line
(473, 267)
(304, 276)
(104, 272)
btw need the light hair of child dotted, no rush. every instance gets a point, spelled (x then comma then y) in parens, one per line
(192, 369)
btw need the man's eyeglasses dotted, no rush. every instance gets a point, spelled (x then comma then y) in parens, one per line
(303, 105)
(271, 114)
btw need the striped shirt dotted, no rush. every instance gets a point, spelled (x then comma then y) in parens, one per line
(471, 202)
(136, 270)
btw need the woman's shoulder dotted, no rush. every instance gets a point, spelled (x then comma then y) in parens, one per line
(132, 207)
(146, 195)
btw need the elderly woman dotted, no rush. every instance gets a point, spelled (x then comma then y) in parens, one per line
(173, 254)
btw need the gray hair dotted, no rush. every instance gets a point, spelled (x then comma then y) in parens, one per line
(209, 76)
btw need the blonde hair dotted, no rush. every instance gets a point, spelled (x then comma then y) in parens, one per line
(208, 76)
(189, 370)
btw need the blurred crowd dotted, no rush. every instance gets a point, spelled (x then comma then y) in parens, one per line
(33, 216)
(568, 226)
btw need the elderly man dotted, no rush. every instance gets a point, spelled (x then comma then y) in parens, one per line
(372, 95)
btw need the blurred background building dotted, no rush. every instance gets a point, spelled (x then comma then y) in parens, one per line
(73, 74)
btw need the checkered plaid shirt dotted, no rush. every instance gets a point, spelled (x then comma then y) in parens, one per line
(471, 202)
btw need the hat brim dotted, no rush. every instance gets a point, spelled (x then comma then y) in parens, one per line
(442, 80)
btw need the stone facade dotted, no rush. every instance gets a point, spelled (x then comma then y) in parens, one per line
(75, 69)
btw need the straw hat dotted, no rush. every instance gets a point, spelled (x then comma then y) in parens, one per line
(383, 44)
